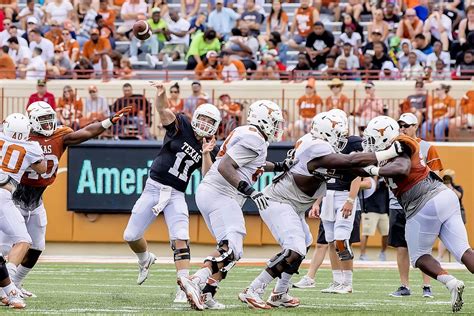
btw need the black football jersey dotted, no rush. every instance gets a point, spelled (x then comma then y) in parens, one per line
(343, 178)
(180, 155)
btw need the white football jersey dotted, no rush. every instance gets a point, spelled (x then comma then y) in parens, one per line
(306, 149)
(247, 147)
(285, 190)
(17, 156)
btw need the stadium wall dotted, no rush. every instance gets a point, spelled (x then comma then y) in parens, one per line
(67, 226)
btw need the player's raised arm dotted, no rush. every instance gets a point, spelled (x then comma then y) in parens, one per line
(95, 129)
(161, 102)
(207, 148)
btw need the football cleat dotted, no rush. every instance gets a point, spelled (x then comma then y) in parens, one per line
(193, 292)
(343, 289)
(15, 301)
(210, 303)
(332, 287)
(382, 256)
(26, 294)
(427, 292)
(401, 291)
(4, 301)
(364, 258)
(144, 270)
(253, 298)
(180, 296)
(305, 283)
(456, 288)
(282, 300)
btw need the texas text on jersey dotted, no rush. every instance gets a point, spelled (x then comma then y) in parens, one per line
(180, 155)
(32, 186)
(342, 178)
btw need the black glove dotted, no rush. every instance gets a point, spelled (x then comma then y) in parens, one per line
(286, 164)
(259, 198)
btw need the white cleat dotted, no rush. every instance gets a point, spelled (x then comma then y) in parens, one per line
(331, 289)
(283, 300)
(144, 270)
(180, 297)
(210, 303)
(456, 288)
(4, 301)
(305, 283)
(343, 289)
(193, 292)
(26, 294)
(15, 301)
(253, 298)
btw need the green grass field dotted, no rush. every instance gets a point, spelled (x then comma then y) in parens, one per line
(111, 289)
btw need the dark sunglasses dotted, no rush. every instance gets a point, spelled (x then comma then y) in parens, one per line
(174, 91)
(92, 91)
(405, 125)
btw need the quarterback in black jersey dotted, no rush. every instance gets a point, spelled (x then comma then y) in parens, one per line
(187, 146)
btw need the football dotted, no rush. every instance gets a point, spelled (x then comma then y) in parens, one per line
(141, 30)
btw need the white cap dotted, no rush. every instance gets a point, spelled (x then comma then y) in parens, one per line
(408, 118)
(32, 19)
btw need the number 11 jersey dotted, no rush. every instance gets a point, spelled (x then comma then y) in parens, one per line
(180, 155)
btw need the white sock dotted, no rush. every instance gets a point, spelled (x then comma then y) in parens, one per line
(203, 274)
(263, 279)
(347, 277)
(283, 283)
(337, 276)
(11, 269)
(20, 275)
(143, 257)
(182, 273)
(444, 278)
(10, 287)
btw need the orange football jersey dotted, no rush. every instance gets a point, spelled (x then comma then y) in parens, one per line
(53, 148)
(419, 170)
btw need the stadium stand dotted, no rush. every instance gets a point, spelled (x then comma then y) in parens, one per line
(290, 41)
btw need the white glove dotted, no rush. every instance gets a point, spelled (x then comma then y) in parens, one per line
(393, 151)
(260, 199)
(372, 170)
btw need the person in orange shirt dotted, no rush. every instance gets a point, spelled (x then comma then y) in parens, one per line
(175, 102)
(440, 112)
(230, 69)
(7, 65)
(107, 14)
(303, 20)
(207, 68)
(97, 51)
(308, 105)
(71, 46)
(337, 100)
(69, 109)
(467, 105)
(55, 33)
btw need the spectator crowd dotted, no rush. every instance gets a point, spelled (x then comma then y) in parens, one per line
(239, 39)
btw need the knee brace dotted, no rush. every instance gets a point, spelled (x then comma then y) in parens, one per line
(287, 261)
(344, 250)
(3, 269)
(182, 253)
(226, 257)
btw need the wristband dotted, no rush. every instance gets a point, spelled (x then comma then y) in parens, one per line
(278, 166)
(386, 154)
(374, 171)
(106, 123)
(4, 178)
(245, 188)
(350, 200)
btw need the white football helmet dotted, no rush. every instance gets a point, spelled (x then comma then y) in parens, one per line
(380, 133)
(341, 114)
(17, 126)
(42, 118)
(332, 128)
(267, 116)
(203, 127)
